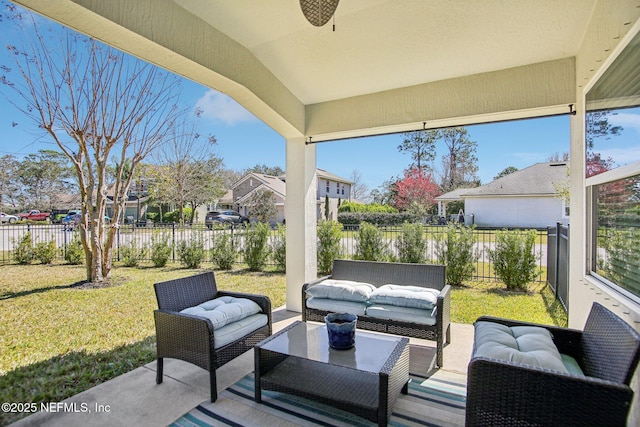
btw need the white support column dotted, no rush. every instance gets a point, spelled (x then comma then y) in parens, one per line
(301, 216)
(579, 302)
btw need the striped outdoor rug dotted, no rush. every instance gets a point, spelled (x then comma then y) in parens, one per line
(435, 401)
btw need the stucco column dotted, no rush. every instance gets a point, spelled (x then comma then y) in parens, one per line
(300, 212)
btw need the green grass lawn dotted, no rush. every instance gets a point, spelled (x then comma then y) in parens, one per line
(59, 338)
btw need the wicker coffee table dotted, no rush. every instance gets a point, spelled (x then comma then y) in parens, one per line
(365, 380)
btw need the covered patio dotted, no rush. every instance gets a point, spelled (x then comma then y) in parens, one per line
(136, 399)
(389, 66)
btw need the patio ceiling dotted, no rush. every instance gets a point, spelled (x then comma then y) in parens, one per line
(390, 65)
(381, 45)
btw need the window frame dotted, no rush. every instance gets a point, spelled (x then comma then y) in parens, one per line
(622, 172)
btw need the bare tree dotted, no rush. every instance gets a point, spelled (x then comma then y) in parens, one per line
(189, 171)
(95, 103)
(557, 157)
(359, 190)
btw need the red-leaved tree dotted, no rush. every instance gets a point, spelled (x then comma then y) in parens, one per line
(416, 186)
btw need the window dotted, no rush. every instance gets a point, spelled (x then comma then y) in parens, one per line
(327, 187)
(612, 170)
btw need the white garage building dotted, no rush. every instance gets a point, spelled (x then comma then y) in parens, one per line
(526, 198)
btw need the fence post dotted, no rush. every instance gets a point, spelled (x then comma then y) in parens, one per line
(557, 260)
(64, 252)
(173, 234)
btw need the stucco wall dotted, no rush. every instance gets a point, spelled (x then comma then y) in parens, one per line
(538, 212)
(612, 25)
(333, 193)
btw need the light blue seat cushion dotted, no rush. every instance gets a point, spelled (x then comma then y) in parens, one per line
(403, 314)
(337, 306)
(343, 290)
(572, 365)
(405, 296)
(530, 345)
(236, 330)
(225, 310)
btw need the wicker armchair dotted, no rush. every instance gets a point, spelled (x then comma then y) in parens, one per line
(190, 338)
(503, 393)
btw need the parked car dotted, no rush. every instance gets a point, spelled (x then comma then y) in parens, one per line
(224, 217)
(8, 218)
(75, 217)
(34, 215)
(57, 215)
(72, 216)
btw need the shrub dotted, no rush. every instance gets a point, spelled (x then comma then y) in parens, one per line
(455, 249)
(24, 252)
(410, 244)
(514, 260)
(46, 252)
(223, 251)
(279, 248)
(256, 250)
(379, 218)
(160, 249)
(370, 246)
(131, 255)
(371, 207)
(74, 254)
(192, 253)
(621, 247)
(329, 248)
(174, 216)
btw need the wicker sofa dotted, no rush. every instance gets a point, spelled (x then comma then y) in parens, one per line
(383, 273)
(508, 392)
(183, 333)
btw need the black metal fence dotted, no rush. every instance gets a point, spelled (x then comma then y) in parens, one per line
(10, 235)
(558, 262)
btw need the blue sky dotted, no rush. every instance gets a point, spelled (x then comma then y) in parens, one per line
(244, 141)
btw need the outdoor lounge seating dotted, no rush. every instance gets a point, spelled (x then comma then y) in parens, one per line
(411, 300)
(199, 324)
(534, 375)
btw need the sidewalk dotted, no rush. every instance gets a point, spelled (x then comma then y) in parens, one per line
(135, 399)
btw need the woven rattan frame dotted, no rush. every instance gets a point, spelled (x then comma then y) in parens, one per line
(502, 393)
(190, 338)
(382, 273)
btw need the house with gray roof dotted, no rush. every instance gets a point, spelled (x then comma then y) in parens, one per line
(238, 197)
(526, 198)
(244, 188)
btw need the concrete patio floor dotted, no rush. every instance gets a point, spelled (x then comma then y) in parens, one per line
(135, 399)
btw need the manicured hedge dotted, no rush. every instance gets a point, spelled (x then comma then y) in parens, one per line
(370, 207)
(378, 218)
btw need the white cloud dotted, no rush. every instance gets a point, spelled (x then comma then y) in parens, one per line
(217, 106)
(626, 120)
(622, 156)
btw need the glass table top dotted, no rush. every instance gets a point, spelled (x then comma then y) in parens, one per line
(310, 341)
